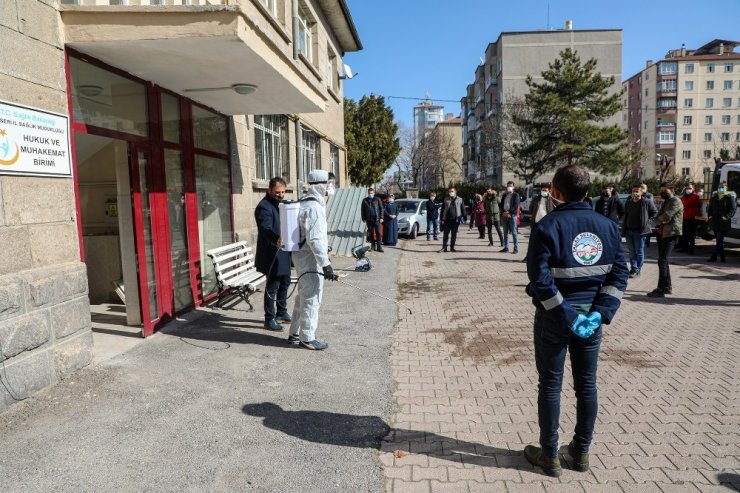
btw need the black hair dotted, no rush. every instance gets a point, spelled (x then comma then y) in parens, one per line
(666, 184)
(572, 181)
(277, 180)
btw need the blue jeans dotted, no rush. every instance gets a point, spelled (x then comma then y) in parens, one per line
(433, 227)
(636, 244)
(552, 339)
(510, 225)
(276, 293)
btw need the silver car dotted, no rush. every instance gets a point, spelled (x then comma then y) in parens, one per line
(412, 217)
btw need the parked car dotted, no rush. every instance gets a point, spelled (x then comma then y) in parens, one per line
(412, 217)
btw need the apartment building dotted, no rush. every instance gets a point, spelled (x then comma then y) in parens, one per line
(502, 75)
(684, 110)
(134, 136)
(426, 116)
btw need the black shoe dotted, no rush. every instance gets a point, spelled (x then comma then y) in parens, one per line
(294, 340)
(452, 250)
(549, 465)
(634, 274)
(428, 239)
(436, 239)
(380, 249)
(443, 249)
(372, 248)
(504, 250)
(490, 243)
(667, 291)
(713, 258)
(580, 459)
(515, 252)
(656, 293)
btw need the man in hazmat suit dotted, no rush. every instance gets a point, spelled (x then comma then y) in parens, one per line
(310, 259)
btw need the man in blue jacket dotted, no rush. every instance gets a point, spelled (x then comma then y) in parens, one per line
(271, 260)
(577, 275)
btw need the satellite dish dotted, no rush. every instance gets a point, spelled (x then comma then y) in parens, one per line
(347, 72)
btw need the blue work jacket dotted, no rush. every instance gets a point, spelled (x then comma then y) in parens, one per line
(575, 264)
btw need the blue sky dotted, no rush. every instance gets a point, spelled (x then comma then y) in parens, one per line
(415, 46)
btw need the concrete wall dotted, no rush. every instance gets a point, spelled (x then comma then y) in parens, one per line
(44, 313)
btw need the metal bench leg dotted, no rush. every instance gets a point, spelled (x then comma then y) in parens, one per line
(245, 293)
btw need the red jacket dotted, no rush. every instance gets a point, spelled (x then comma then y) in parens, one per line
(479, 213)
(691, 205)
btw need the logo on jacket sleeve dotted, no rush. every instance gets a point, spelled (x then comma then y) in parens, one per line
(587, 248)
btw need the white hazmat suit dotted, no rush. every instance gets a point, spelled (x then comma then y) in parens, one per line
(312, 256)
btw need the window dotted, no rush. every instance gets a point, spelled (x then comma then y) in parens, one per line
(647, 76)
(710, 68)
(332, 82)
(688, 68)
(668, 68)
(738, 119)
(728, 67)
(710, 85)
(727, 85)
(305, 35)
(726, 119)
(707, 154)
(725, 137)
(708, 120)
(639, 127)
(737, 137)
(271, 146)
(726, 102)
(271, 6)
(666, 85)
(688, 103)
(210, 130)
(334, 163)
(707, 137)
(666, 137)
(686, 155)
(685, 171)
(311, 151)
(686, 137)
(688, 85)
(709, 103)
(647, 92)
(666, 103)
(687, 120)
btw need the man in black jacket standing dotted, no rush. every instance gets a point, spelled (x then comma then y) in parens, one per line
(432, 209)
(609, 204)
(509, 213)
(372, 214)
(271, 260)
(453, 214)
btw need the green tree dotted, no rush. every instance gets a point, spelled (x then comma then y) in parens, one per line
(565, 119)
(370, 137)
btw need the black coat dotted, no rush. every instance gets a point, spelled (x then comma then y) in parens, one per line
(615, 208)
(267, 216)
(432, 209)
(368, 206)
(721, 211)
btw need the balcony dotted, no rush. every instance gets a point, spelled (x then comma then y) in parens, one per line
(665, 144)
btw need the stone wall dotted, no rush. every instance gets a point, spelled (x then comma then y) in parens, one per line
(45, 330)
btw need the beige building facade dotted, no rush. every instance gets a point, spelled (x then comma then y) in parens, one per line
(134, 136)
(684, 110)
(508, 62)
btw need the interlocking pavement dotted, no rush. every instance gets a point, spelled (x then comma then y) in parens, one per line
(466, 384)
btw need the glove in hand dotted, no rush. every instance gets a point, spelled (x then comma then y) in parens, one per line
(329, 274)
(584, 326)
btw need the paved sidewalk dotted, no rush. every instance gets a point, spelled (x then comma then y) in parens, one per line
(466, 384)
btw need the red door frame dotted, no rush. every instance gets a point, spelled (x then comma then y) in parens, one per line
(154, 146)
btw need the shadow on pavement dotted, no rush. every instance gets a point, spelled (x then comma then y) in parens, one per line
(720, 277)
(368, 432)
(729, 480)
(215, 327)
(672, 300)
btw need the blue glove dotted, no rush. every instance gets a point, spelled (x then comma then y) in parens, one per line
(585, 326)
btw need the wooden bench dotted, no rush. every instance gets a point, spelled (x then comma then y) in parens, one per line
(235, 271)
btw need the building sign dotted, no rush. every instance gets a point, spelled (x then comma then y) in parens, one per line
(33, 142)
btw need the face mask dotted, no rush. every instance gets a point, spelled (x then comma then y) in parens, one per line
(721, 191)
(390, 201)
(330, 189)
(545, 194)
(635, 195)
(490, 194)
(688, 191)
(509, 189)
(370, 196)
(452, 194)
(665, 195)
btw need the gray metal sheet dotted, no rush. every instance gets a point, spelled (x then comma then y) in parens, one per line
(346, 229)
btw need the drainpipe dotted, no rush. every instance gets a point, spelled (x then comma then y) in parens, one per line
(299, 158)
(294, 8)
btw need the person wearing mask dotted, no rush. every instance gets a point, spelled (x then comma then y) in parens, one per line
(669, 224)
(577, 276)
(691, 208)
(648, 196)
(638, 211)
(509, 213)
(493, 212)
(478, 213)
(540, 206)
(722, 207)
(371, 212)
(453, 214)
(432, 208)
(609, 204)
(390, 223)
(311, 261)
(270, 259)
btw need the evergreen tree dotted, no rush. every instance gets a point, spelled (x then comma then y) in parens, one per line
(565, 121)
(370, 137)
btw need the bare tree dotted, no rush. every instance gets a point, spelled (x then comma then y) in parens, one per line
(433, 161)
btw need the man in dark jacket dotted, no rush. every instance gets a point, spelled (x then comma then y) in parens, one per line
(638, 211)
(609, 204)
(493, 213)
(372, 214)
(270, 259)
(453, 214)
(509, 213)
(577, 275)
(669, 222)
(722, 207)
(432, 208)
